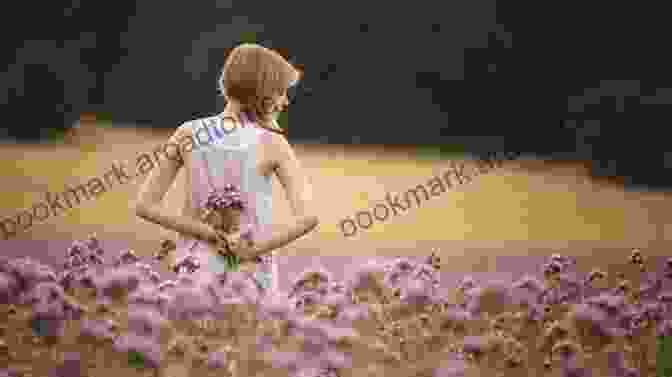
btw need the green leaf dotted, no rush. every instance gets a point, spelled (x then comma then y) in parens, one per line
(283, 120)
(136, 360)
(227, 262)
(664, 356)
(232, 262)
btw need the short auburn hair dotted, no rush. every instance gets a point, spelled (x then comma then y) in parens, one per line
(252, 75)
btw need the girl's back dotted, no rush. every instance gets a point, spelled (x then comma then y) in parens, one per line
(229, 152)
(254, 82)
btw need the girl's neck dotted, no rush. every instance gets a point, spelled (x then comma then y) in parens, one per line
(235, 112)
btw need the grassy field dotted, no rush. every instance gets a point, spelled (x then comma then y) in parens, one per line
(498, 226)
(522, 206)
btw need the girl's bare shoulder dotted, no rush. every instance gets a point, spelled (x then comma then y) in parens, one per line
(277, 141)
(278, 146)
(185, 130)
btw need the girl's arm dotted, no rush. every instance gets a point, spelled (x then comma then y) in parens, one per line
(149, 202)
(299, 193)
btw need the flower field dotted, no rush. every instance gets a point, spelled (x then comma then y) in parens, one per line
(109, 312)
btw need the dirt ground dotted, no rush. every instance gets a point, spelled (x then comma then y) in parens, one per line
(525, 208)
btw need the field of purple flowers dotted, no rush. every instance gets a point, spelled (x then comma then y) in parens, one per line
(104, 314)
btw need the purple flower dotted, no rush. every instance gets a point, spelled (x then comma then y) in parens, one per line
(475, 344)
(610, 304)
(668, 268)
(149, 349)
(228, 197)
(466, 283)
(217, 360)
(154, 277)
(417, 293)
(8, 287)
(117, 281)
(76, 260)
(451, 368)
(77, 248)
(553, 268)
(189, 302)
(353, 313)
(454, 319)
(664, 329)
(665, 297)
(424, 271)
(651, 286)
(144, 322)
(306, 298)
(266, 259)
(336, 300)
(616, 365)
(653, 311)
(337, 360)
(48, 319)
(364, 277)
(530, 283)
(166, 284)
(591, 321)
(92, 242)
(336, 287)
(403, 265)
(127, 257)
(559, 258)
(188, 264)
(98, 329)
(274, 306)
(71, 366)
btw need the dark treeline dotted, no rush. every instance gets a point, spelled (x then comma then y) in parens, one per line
(409, 73)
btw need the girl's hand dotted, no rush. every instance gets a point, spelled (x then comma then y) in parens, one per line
(236, 243)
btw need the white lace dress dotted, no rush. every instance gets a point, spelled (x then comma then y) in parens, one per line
(229, 156)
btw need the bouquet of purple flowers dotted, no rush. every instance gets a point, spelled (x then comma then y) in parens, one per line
(228, 197)
(222, 210)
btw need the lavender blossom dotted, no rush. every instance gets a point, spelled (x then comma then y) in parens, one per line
(189, 264)
(228, 197)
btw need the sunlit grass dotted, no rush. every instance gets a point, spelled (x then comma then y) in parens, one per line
(51, 170)
(495, 206)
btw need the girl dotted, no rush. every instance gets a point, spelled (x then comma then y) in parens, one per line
(249, 148)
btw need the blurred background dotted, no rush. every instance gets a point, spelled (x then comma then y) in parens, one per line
(392, 91)
(576, 84)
